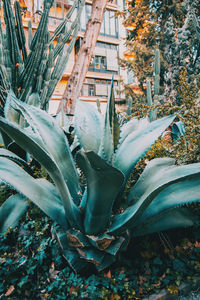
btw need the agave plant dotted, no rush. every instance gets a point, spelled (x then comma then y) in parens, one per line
(93, 224)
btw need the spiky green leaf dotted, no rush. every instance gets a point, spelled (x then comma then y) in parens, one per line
(111, 130)
(45, 127)
(31, 143)
(154, 170)
(87, 122)
(176, 195)
(103, 185)
(169, 219)
(138, 142)
(10, 108)
(175, 174)
(40, 193)
(11, 211)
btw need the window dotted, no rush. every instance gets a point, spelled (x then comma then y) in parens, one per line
(57, 10)
(38, 5)
(107, 22)
(112, 23)
(91, 90)
(106, 45)
(98, 63)
(109, 25)
(97, 87)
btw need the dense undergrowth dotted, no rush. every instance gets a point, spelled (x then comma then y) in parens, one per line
(32, 267)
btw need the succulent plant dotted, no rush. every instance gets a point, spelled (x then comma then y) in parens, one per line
(153, 101)
(177, 126)
(94, 221)
(34, 72)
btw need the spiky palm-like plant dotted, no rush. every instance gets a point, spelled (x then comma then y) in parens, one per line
(33, 72)
(92, 228)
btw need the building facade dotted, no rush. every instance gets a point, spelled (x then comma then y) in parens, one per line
(109, 48)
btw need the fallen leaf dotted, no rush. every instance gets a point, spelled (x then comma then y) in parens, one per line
(108, 275)
(10, 290)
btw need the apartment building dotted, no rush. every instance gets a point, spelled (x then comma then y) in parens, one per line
(104, 63)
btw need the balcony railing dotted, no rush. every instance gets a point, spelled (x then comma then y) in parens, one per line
(92, 69)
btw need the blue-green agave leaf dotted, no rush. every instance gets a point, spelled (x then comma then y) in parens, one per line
(34, 190)
(95, 256)
(1, 140)
(77, 239)
(53, 141)
(75, 262)
(128, 127)
(154, 170)
(107, 243)
(10, 111)
(179, 194)
(106, 262)
(168, 219)
(112, 118)
(11, 211)
(130, 216)
(88, 126)
(103, 185)
(102, 241)
(137, 143)
(111, 129)
(16, 149)
(178, 130)
(15, 158)
(69, 253)
(6, 139)
(62, 120)
(34, 99)
(29, 142)
(158, 172)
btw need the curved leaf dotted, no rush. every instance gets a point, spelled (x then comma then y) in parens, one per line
(128, 128)
(13, 147)
(35, 190)
(103, 185)
(130, 216)
(50, 134)
(34, 99)
(169, 219)
(158, 172)
(1, 140)
(62, 120)
(87, 125)
(178, 130)
(10, 108)
(11, 211)
(137, 143)
(153, 171)
(15, 158)
(29, 142)
(179, 194)
(6, 139)
(111, 130)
